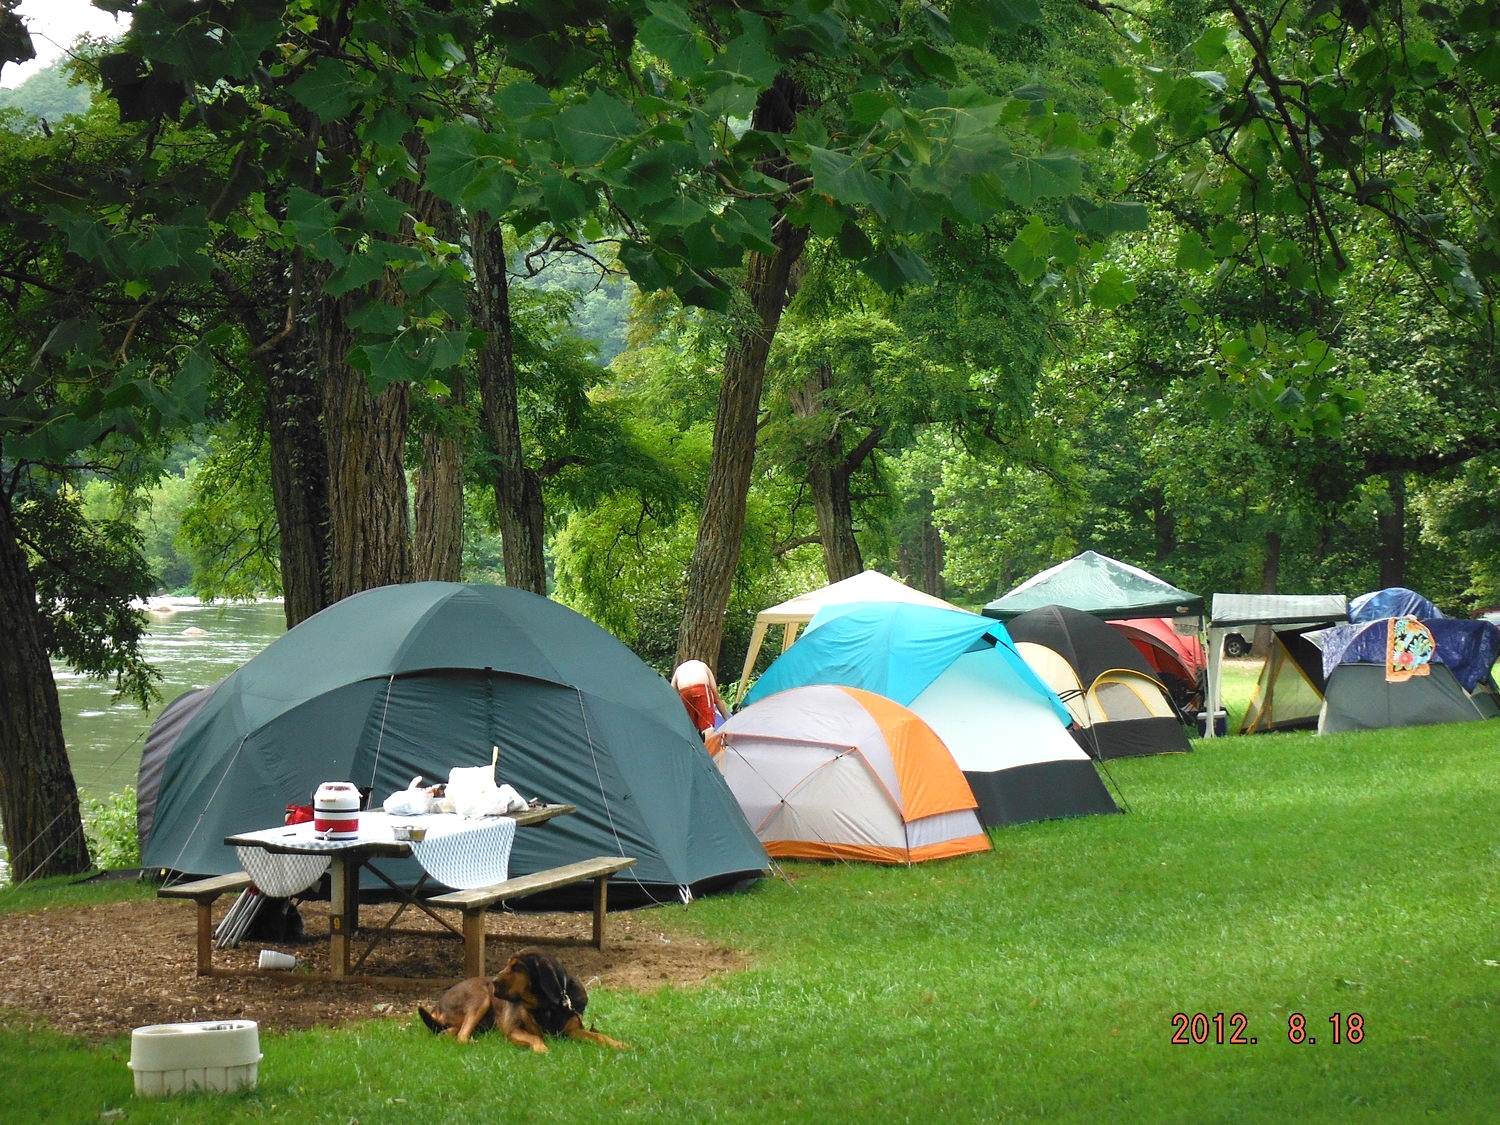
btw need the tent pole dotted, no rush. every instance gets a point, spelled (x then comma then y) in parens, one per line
(757, 636)
(1215, 677)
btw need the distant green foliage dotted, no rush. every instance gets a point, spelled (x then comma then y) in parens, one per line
(48, 95)
(110, 826)
(89, 571)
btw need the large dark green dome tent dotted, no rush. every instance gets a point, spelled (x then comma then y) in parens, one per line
(415, 679)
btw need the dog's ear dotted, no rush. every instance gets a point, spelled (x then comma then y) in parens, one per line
(557, 987)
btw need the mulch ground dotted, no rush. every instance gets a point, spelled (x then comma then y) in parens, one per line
(101, 971)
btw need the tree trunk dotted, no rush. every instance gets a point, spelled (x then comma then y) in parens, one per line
(439, 524)
(716, 552)
(299, 480)
(1163, 525)
(921, 555)
(38, 797)
(1270, 574)
(518, 489)
(1391, 518)
(369, 523)
(828, 474)
(835, 513)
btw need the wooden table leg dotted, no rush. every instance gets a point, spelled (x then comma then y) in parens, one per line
(601, 891)
(343, 912)
(205, 937)
(474, 935)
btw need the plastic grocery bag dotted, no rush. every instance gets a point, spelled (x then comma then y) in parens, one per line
(472, 792)
(411, 801)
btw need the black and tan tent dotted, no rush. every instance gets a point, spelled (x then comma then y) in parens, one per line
(1119, 708)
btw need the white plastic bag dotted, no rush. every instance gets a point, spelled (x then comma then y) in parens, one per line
(411, 801)
(472, 792)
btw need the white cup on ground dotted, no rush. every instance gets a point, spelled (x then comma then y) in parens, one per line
(275, 959)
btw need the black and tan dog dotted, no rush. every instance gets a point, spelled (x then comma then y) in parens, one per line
(532, 996)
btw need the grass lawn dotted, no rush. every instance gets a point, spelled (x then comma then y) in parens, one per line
(1271, 889)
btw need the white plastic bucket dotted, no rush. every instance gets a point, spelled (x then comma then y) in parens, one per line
(168, 1058)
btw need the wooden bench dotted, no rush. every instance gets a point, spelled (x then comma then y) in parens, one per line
(205, 892)
(475, 903)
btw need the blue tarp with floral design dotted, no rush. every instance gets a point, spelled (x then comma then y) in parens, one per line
(1468, 648)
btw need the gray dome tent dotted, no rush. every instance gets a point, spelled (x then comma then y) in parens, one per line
(419, 678)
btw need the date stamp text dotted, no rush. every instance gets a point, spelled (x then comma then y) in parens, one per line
(1233, 1029)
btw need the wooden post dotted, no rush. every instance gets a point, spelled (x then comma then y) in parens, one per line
(341, 920)
(474, 942)
(601, 891)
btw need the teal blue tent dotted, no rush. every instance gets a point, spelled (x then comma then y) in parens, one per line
(415, 679)
(960, 673)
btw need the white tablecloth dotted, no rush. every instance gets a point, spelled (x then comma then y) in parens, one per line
(460, 852)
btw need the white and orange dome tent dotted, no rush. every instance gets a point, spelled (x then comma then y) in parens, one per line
(830, 772)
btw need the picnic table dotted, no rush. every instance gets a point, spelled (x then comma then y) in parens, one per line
(469, 856)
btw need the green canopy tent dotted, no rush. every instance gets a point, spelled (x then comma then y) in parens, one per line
(1099, 585)
(416, 679)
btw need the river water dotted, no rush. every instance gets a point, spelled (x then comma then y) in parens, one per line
(192, 645)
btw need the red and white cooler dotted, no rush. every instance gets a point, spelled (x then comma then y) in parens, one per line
(336, 811)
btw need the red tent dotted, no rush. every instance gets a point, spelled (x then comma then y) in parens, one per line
(1179, 660)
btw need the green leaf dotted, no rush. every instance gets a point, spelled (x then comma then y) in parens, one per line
(1192, 254)
(1030, 252)
(970, 22)
(707, 249)
(648, 266)
(748, 57)
(1013, 15)
(391, 360)
(841, 176)
(895, 267)
(330, 89)
(586, 133)
(1116, 217)
(730, 99)
(471, 167)
(1121, 83)
(1211, 45)
(389, 128)
(702, 291)
(650, 177)
(311, 223)
(1030, 178)
(854, 243)
(671, 35)
(523, 101)
(376, 318)
(566, 199)
(189, 397)
(373, 212)
(443, 349)
(1143, 142)
(356, 273)
(1112, 289)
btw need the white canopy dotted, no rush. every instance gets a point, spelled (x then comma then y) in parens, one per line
(791, 615)
(1233, 612)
